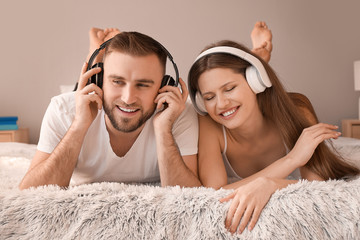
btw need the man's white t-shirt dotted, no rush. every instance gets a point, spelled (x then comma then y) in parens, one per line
(97, 162)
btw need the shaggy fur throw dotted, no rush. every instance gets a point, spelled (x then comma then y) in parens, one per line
(305, 210)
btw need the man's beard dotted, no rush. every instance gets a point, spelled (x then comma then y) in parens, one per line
(124, 124)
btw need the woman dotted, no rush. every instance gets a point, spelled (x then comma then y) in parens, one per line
(250, 124)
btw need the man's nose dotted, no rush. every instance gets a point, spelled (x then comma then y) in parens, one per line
(128, 95)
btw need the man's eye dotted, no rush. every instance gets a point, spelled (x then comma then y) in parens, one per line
(143, 85)
(117, 82)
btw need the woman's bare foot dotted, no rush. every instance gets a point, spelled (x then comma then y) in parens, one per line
(261, 38)
(98, 36)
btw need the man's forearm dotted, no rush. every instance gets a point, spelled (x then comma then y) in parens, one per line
(59, 166)
(173, 170)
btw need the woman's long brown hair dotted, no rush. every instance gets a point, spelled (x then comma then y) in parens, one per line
(277, 106)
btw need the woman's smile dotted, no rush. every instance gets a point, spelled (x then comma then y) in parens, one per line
(229, 113)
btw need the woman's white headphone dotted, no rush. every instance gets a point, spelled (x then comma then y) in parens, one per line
(255, 74)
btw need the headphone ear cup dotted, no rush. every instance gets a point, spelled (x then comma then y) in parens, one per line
(97, 79)
(168, 80)
(254, 80)
(199, 104)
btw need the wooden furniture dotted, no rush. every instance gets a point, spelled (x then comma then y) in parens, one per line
(351, 128)
(20, 135)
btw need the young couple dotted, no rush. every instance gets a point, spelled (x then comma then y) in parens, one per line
(253, 134)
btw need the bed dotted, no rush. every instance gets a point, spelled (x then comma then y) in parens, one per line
(305, 210)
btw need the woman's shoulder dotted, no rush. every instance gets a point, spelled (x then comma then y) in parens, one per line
(208, 126)
(211, 135)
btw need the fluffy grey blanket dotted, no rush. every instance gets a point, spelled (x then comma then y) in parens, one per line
(305, 210)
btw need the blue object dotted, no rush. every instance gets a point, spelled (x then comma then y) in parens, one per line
(11, 119)
(8, 127)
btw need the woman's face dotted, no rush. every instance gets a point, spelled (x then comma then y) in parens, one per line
(227, 97)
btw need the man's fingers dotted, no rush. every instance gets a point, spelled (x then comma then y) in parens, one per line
(175, 90)
(170, 96)
(81, 85)
(83, 69)
(96, 99)
(184, 89)
(91, 89)
(86, 75)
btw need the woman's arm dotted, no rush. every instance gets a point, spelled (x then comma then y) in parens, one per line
(306, 109)
(212, 171)
(303, 150)
(252, 194)
(249, 200)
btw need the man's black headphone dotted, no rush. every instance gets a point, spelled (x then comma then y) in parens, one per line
(98, 78)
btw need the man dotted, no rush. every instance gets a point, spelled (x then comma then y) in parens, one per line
(128, 131)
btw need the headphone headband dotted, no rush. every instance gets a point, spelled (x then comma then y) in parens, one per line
(264, 78)
(256, 75)
(103, 45)
(96, 52)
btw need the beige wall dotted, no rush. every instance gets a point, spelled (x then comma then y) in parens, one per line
(44, 43)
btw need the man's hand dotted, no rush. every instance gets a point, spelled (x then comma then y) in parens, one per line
(88, 99)
(58, 167)
(175, 103)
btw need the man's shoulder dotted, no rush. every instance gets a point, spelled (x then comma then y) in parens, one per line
(189, 109)
(64, 97)
(64, 102)
(188, 117)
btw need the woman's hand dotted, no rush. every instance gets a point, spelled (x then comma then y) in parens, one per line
(309, 139)
(247, 203)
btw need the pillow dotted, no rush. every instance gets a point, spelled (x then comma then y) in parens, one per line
(349, 149)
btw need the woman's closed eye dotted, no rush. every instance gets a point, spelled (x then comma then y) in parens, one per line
(208, 97)
(228, 89)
